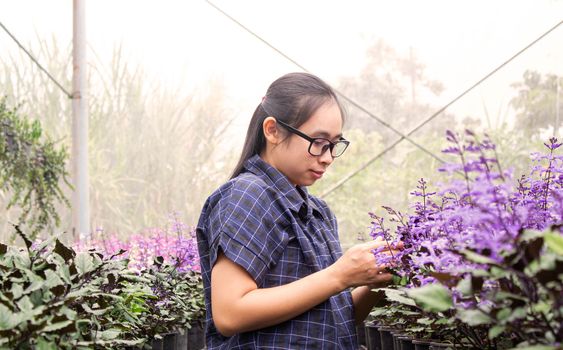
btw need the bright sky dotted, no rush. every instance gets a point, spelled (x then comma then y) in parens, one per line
(189, 42)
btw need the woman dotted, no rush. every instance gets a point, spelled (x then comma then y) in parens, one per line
(273, 270)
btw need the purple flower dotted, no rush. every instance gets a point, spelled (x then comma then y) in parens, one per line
(483, 210)
(176, 243)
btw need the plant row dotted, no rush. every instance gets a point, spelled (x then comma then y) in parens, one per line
(53, 296)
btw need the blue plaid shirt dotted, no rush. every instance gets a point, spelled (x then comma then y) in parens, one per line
(279, 234)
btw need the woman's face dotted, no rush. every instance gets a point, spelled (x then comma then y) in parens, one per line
(292, 157)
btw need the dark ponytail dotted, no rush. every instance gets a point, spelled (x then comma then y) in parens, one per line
(293, 98)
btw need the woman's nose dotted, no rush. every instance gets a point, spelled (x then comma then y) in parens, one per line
(326, 157)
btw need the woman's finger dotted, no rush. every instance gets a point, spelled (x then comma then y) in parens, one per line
(376, 243)
(388, 252)
(379, 242)
(382, 279)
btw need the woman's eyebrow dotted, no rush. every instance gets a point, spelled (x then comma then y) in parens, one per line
(326, 135)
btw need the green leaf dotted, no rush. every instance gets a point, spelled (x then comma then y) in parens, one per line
(528, 235)
(398, 296)
(25, 304)
(35, 285)
(503, 314)
(96, 312)
(517, 314)
(473, 317)
(43, 344)
(83, 263)
(134, 278)
(378, 311)
(64, 274)
(17, 291)
(554, 241)
(465, 287)
(66, 253)
(52, 279)
(501, 295)
(415, 329)
(476, 257)
(498, 272)
(70, 314)
(399, 280)
(425, 321)
(110, 334)
(35, 130)
(432, 297)
(495, 331)
(56, 326)
(8, 319)
(541, 307)
(32, 276)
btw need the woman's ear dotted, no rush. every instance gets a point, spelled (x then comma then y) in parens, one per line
(271, 132)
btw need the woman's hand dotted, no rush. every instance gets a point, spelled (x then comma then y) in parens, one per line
(358, 266)
(238, 305)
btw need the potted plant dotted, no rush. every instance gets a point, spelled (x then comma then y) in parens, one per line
(481, 255)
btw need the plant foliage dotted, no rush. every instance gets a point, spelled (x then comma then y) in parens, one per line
(31, 169)
(53, 297)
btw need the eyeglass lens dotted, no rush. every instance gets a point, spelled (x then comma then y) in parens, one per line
(320, 146)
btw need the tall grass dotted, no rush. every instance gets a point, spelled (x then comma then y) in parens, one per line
(152, 150)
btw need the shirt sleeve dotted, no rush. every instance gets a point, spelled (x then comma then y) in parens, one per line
(248, 226)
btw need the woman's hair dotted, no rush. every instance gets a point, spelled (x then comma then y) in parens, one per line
(293, 99)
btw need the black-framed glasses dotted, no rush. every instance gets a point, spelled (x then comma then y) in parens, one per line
(319, 145)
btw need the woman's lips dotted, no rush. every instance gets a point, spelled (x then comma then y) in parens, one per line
(317, 174)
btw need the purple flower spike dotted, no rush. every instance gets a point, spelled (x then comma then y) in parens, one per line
(176, 244)
(484, 212)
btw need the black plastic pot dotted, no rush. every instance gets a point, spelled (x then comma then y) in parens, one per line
(406, 343)
(182, 340)
(373, 337)
(361, 334)
(396, 343)
(440, 346)
(157, 344)
(420, 344)
(386, 338)
(169, 341)
(196, 337)
(190, 339)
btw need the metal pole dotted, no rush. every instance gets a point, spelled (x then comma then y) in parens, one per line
(413, 75)
(556, 126)
(81, 195)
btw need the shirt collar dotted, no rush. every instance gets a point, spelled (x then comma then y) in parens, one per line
(295, 196)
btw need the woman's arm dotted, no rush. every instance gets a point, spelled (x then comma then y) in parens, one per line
(364, 300)
(238, 305)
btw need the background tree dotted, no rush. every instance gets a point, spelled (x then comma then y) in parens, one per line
(396, 89)
(392, 86)
(536, 102)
